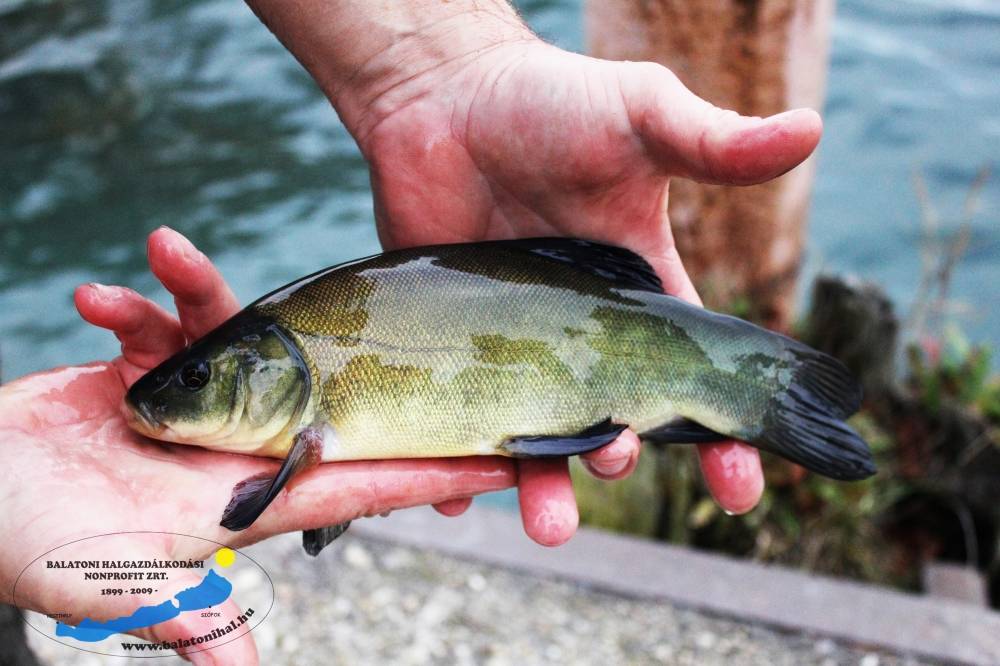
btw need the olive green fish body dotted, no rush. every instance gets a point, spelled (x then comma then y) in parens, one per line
(426, 357)
(532, 347)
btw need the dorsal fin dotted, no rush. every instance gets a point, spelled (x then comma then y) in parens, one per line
(624, 267)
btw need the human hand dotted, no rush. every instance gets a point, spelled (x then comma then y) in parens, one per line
(75, 469)
(518, 138)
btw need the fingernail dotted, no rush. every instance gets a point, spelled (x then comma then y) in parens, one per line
(189, 251)
(104, 293)
(183, 246)
(611, 466)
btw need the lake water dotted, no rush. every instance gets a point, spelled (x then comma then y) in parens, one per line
(118, 117)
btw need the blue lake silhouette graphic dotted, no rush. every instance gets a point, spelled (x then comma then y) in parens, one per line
(211, 591)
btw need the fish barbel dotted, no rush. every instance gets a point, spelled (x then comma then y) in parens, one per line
(525, 348)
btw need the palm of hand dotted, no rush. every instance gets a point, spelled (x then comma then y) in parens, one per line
(68, 442)
(67, 424)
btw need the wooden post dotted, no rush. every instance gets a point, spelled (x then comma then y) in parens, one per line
(742, 246)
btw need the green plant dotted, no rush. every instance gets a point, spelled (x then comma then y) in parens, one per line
(951, 369)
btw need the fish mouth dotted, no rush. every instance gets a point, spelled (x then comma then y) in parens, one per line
(140, 418)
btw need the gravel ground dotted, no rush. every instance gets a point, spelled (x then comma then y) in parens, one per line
(365, 602)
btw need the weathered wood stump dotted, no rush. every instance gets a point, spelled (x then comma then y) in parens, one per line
(941, 457)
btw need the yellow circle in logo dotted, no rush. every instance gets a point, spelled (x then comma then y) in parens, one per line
(225, 557)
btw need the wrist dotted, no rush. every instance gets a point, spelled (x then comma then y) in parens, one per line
(370, 57)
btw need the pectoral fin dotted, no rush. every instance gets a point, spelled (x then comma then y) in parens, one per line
(316, 540)
(550, 446)
(251, 496)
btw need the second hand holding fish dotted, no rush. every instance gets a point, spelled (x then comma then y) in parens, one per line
(475, 129)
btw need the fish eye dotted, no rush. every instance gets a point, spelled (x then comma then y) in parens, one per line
(194, 375)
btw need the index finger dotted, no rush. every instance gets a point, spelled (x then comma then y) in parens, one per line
(202, 297)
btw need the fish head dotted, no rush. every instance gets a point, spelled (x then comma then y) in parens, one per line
(242, 387)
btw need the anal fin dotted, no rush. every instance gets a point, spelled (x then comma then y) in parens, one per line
(313, 541)
(681, 431)
(251, 496)
(551, 446)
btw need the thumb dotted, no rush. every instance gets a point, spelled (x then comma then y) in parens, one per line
(199, 635)
(690, 137)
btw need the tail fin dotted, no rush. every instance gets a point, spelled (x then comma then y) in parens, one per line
(806, 423)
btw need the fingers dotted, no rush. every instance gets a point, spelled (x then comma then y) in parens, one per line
(548, 506)
(336, 492)
(148, 333)
(692, 138)
(616, 460)
(733, 475)
(191, 626)
(202, 296)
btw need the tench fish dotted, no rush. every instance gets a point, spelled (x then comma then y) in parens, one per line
(525, 348)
